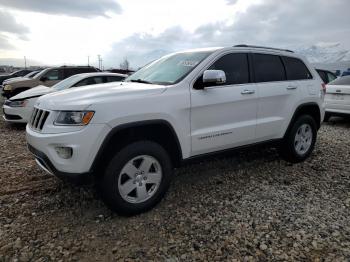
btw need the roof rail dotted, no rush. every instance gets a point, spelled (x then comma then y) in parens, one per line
(264, 47)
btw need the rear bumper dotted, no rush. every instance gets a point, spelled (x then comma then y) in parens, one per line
(337, 108)
(44, 163)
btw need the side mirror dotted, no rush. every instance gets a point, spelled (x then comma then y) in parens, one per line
(44, 78)
(214, 77)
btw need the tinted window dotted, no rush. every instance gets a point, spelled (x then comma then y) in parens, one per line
(90, 81)
(114, 78)
(235, 67)
(23, 72)
(268, 68)
(296, 69)
(344, 80)
(53, 74)
(331, 77)
(322, 75)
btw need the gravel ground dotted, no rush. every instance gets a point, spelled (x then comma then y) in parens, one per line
(248, 206)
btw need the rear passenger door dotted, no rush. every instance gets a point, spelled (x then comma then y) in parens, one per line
(224, 116)
(277, 96)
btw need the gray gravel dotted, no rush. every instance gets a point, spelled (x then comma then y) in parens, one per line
(248, 206)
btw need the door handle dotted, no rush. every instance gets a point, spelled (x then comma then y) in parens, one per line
(291, 87)
(247, 92)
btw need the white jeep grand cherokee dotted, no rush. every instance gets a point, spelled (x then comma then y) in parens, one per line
(129, 136)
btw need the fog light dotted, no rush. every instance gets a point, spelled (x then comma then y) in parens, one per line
(64, 152)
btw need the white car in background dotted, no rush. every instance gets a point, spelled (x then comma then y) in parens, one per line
(19, 108)
(337, 99)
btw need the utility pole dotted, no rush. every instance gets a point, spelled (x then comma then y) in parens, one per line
(88, 60)
(25, 62)
(99, 61)
(101, 65)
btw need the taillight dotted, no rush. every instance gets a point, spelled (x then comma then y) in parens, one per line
(323, 88)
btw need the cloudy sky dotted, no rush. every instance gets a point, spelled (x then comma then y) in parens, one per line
(67, 32)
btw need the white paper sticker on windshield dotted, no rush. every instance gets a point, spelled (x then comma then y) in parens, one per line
(188, 63)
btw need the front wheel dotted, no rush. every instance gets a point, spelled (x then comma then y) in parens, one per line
(136, 178)
(299, 142)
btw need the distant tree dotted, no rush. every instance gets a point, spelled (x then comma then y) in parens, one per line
(125, 64)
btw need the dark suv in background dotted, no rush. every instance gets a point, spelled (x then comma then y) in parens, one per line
(18, 73)
(47, 77)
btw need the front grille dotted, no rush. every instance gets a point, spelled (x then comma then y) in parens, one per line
(38, 119)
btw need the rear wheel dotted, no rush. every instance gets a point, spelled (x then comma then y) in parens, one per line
(136, 178)
(300, 140)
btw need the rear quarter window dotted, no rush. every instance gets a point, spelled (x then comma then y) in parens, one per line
(296, 69)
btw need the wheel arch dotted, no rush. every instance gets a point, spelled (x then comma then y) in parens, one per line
(311, 109)
(160, 131)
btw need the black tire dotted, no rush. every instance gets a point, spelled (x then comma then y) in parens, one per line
(108, 185)
(327, 116)
(287, 148)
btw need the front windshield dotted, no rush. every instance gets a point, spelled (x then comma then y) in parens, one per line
(31, 74)
(41, 73)
(169, 69)
(67, 83)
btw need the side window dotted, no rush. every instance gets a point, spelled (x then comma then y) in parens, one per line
(114, 78)
(90, 81)
(98, 79)
(322, 75)
(69, 72)
(296, 69)
(331, 77)
(268, 68)
(235, 67)
(53, 75)
(86, 82)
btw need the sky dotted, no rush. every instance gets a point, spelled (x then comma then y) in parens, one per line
(54, 32)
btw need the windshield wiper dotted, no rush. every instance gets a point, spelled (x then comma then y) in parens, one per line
(140, 81)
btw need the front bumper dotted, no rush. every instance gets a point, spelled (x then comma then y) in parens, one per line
(85, 144)
(16, 114)
(44, 162)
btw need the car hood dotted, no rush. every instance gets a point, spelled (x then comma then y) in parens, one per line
(24, 82)
(80, 98)
(15, 79)
(33, 92)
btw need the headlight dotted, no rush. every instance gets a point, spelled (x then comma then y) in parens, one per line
(7, 88)
(16, 103)
(76, 118)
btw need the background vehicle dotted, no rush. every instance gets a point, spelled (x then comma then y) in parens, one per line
(47, 77)
(326, 76)
(18, 73)
(29, 75)
(337, 99)
(20, 107)
(185, 105)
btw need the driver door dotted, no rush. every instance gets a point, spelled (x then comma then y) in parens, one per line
(224, 116)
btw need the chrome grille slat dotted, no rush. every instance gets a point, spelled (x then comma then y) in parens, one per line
(38, 119)
(33, 116)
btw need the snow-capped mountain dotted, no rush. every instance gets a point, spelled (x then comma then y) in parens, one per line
(325, 53)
